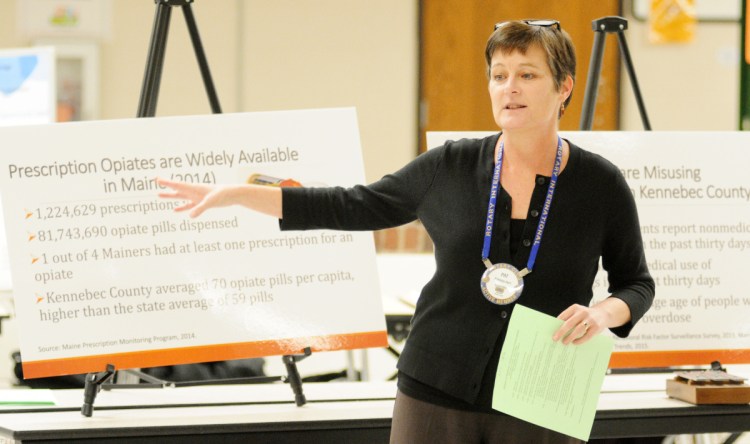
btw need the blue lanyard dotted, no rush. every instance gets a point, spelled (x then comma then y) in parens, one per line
(492, 207)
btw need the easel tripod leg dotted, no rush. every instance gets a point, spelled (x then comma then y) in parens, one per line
(200, 55)
(633, 80)
(592, 81)
(155, 61)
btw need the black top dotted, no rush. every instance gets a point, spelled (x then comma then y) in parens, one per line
(423, 392)
(455, 329)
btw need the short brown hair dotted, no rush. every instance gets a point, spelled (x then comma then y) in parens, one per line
(555, 42)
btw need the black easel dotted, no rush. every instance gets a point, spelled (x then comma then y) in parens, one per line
(601, 27)
(94, 382)
(155, 61)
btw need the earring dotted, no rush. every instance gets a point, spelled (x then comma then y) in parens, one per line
(562, 109)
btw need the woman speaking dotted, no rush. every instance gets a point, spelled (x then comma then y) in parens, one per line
(520, 216)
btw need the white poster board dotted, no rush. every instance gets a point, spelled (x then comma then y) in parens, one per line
(105, 272)
(693, 196)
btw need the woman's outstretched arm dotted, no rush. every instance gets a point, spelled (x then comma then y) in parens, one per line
(201, 197)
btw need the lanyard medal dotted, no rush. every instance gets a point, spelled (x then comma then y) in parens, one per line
(502, 283)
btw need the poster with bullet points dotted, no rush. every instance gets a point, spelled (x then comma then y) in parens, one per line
(104, 272)
(692, 191)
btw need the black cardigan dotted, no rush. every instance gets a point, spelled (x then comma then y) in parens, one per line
(454, 328)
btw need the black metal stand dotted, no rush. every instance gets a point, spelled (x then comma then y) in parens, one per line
(94, 382)
(601, 27)
(92, 386)
(290, 362)
(155, 61)
(97, 381)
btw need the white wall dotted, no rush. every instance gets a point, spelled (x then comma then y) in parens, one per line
(687, 86)
(312, 54)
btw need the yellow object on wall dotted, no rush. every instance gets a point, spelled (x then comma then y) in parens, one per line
(672, 21)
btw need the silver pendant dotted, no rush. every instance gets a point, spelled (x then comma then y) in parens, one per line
(502, 284)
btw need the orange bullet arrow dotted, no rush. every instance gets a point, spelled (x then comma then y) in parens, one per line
(34, 260)
(31, 237)
(39, 299)
(28, 214)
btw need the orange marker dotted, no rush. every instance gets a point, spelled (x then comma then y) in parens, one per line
(39, 299)
(34, 260)
(28, 213)
(31, 237)
(261, 179)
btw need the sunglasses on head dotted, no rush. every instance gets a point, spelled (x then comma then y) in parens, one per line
(542, 23)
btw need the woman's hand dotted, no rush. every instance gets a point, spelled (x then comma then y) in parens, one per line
(583, 323)
(201, 197)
